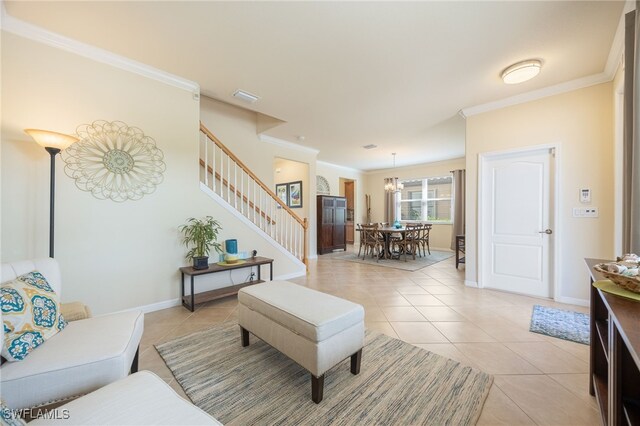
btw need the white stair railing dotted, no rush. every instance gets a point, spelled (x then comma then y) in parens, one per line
(223, 173)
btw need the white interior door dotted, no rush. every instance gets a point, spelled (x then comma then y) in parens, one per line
(515, 223)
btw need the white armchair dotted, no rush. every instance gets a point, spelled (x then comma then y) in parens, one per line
(86, 355)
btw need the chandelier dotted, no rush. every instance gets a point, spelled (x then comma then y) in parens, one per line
(393, 184)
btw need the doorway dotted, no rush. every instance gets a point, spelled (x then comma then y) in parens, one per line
(347, 190)
(516, 232)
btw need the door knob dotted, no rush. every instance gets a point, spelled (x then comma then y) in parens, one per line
(546, 231)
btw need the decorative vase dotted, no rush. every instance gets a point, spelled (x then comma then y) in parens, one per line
(201, 262)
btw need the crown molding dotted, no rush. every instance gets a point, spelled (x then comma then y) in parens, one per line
(568, 86)
(38, 34)
(287, 145)
(613, 62)
(337, 166)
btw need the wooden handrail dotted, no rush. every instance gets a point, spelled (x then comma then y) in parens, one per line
(238, 193)
(226, 150)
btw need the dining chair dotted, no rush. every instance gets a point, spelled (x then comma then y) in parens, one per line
(361, 237)
(409, 244)
(423, 238)
(372, 241)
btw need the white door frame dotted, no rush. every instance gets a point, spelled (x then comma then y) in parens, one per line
(555, 205)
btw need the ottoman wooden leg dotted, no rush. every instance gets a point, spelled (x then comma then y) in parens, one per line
(356, 360)
(317, 386)
(245, 337)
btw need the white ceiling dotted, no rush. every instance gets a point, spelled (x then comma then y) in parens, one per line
(348, 74)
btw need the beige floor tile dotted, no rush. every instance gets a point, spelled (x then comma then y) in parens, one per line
(495, 358)
(171, 315)
(392, 301)
(499, 410)
(151, 360)
(413, 289)
(440, 313)
(402, 313)
(423, 300)
(578, 384)
(447, 350)
(547, 402)
(211, 315)
(441, 289)
(459, 332)
(382, 327)
(549, 358)
(225, 302)
(576, 349)
(504, 331)
(373, 313)
(418, 332)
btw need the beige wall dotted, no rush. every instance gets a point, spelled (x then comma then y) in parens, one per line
(113, 256)
(580, 124)
(440, 237)
(293, 171)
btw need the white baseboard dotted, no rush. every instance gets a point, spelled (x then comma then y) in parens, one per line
(572, 301)
(152, 307)
(473, 284)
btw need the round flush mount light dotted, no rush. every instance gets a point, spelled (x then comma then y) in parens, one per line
(521, 71)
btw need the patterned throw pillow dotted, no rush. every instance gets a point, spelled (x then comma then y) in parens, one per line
(30, 314)
(9, 417)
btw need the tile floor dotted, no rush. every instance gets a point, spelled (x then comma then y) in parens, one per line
(538, 379)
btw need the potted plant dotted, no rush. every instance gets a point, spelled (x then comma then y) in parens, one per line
(201, 236)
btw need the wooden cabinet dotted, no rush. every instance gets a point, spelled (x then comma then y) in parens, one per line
(614, 360)
(332, 217)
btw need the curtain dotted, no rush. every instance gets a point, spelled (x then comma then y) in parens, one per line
(457, 197)
(391, 198)
(631, 151)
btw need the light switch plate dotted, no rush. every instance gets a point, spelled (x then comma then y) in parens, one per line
(585, 212)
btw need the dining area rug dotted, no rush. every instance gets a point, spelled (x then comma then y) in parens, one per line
(398, 263)
(256, 385)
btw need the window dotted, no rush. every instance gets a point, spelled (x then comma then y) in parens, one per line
(427, 199)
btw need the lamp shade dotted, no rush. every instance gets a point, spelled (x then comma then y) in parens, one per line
(49, 139)
(521, 72)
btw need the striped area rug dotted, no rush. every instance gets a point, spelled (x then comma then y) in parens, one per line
(399, 384)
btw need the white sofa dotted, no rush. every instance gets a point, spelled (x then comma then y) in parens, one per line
(140, 399)
(86, 355)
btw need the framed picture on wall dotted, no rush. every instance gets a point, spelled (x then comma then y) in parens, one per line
(281, 192)
(295, 194)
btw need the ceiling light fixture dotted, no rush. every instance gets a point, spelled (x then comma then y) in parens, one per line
(370, 146)
(521, 71)
(246, 96)
(393, 184)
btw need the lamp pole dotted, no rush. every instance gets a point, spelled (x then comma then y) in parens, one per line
(53, 142)
(52, 195)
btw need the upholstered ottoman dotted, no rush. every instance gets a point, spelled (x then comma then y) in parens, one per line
(314, 329)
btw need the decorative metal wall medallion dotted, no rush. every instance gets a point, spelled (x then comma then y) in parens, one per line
(114, 161)
(322, 186)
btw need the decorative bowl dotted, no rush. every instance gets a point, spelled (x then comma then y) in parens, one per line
(623, 273)
(231, 258)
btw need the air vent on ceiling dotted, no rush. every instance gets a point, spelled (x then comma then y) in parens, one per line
(370, 146)
(245, 96)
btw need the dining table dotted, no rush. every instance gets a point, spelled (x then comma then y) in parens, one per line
(387, 232)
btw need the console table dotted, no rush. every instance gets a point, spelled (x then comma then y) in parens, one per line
(189, 301)
(614, 365)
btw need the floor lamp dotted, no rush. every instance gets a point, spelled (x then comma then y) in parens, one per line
(53, 142)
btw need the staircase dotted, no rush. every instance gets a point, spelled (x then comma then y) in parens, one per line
(224, 174)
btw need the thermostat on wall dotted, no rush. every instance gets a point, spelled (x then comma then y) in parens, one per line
(585, 195)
